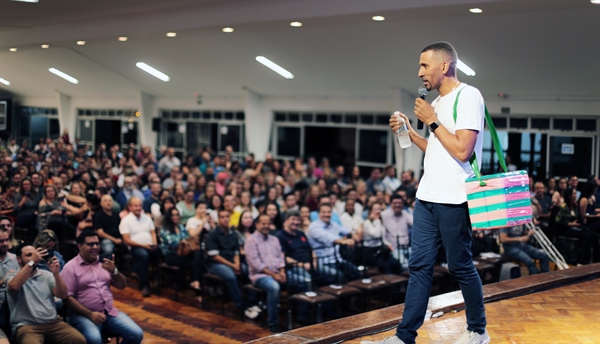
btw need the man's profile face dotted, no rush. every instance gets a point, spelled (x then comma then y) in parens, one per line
(3, 242)
(430, 70)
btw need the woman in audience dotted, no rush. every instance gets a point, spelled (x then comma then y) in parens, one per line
(187, 207)
(568, 222)
(256, 193)
(48, 240)
(558, 197)
(158, 209)
(246, 205)
(245, 228)
(26, 204)
(50, 210)
(312, 199)
(550, 186)
(7, 224)
(189, 166)
(378, 252)
(200, 187)
(209, 192)
(171, 233)
(273, 211)
(305, 218)
(354, 177)
(271, 195)
(587, 205)
(179, 192)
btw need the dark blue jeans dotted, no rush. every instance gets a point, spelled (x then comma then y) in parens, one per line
(436, 224)
(272, 288)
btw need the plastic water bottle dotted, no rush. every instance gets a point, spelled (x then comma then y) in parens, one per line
(402, 133)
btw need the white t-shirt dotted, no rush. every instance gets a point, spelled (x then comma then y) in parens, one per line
(444, 177)
(138, 229)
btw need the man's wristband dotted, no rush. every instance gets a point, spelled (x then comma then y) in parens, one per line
(115, 272)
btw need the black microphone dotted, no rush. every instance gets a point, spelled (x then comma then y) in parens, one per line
(422, 93)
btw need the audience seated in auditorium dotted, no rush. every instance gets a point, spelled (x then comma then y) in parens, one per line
(324, 198)
(297, 250)
(398, 224)
(90, 300)
(106, 223)
(48, 240)
(378, 249)
(30, 296)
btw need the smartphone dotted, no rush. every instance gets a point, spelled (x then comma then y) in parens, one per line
(105, 256)
(28, 194)
(49, 254)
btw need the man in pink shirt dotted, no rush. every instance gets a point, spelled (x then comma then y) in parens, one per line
(89, 297)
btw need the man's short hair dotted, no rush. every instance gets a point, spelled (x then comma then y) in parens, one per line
(263, 215)
(328, 205)
(19, 249)
(222, 209)
(85, 234)
(285, 197)
(292, 213)
(396, 196)
(198, 203)
(321, 196)
(447, 49)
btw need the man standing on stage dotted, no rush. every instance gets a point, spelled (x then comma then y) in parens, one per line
(441, 215)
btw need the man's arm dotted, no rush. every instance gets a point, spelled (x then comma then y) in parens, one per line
(461, 145)
(16, 283)
(418, 140)
(103, 235)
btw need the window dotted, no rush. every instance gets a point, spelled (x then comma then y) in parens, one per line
(372, 146)
(563, 124)
(174, 136)
(3, 115)
(288, 141)
(231, 135)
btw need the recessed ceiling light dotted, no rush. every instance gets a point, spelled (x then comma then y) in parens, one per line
(378, 18)
(464, 68)
(475, 10)
(45, 46)
(153, 71)
(4, 81)
(275, 67)
(228, 29)
(597, 2)
(64, 75)
(296, 24)
(32, 1)
(122, 39)
(13, 49)
(171, 34)
(80, 42)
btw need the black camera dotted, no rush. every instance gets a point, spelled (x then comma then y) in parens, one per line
(49, 254)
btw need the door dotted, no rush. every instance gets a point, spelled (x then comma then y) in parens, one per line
(108, 132)
(571, 155)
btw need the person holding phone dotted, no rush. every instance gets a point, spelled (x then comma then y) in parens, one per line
(88, 280)
(30, 295)
(48, 240)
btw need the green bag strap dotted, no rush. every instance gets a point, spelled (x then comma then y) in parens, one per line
(495, 142)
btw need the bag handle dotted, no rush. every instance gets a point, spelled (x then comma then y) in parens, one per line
(495, 142)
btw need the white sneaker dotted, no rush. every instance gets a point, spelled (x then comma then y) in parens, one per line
(386, 340)
(251, 313)
(256, 309)
(471, 337)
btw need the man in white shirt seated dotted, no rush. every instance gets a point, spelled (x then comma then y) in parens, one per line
(391, 181)
(351, 219)
(137, 229)
(341, 206)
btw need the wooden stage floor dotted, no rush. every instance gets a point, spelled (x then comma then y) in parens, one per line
(165, 321)
(568, 314)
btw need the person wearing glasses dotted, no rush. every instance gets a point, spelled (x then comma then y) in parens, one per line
(89, 298)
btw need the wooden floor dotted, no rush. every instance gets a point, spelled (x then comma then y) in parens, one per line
(165, 321)
(568, 314)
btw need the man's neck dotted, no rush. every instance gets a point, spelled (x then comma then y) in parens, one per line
(290, 231)
(107, 212)
(448, 85)
(3, 256)
(225, 229)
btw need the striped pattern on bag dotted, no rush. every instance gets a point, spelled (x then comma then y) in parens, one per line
(504, 201)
